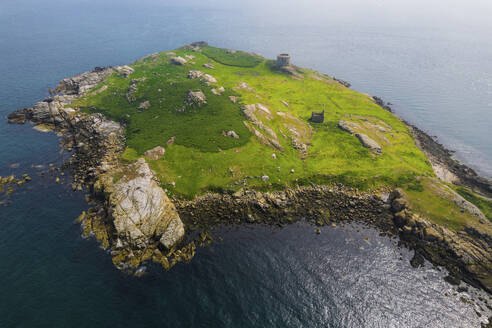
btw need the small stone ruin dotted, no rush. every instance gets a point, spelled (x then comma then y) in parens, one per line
(318, 117)
(283, 60)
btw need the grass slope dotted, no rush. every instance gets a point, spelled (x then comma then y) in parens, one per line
(202, 159)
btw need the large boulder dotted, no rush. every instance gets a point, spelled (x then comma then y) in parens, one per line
(124, 71)
(141, 211)
(194, 74)
(196, 98)
(80, 84)
(178, 60)
(209, 79)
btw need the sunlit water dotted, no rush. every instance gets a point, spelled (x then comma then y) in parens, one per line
(438, 78)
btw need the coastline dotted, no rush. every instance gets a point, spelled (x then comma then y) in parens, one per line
(97, 144)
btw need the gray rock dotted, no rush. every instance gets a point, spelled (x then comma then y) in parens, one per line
(265, 178)
(141, 209)
(173, 234)
(218, 91)
(155, 153)
(209, 79)
(368, 142)
(232, 134)
(144, 105)
(347, 126)
(178, 60)
(209, 66)
(195, 74)
(18, 117)
(124, 71)
(196, 98)
(82, 83)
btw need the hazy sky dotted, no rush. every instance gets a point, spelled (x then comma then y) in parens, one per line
(466, 13)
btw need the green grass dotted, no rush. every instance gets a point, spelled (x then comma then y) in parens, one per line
(238, 58)
(484, 205)
(202, 159)
(434, 201)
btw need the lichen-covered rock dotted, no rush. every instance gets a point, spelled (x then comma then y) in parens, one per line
(209, 79)
(141, 211)
(18, 117)
(144, 105)
(368, 142)
(124, 71)
(196, 98)
(195, 74)
(155, 153)
(349, 127)
(232, 134)
(178, 60)
(82, 83)
(173, 234)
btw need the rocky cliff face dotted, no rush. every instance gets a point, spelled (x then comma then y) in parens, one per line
(467, 254)
(142, 214)
(137, 218)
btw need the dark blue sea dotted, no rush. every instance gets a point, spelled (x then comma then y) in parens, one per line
(431, 59)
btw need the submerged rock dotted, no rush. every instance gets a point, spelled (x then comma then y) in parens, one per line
(18, 117)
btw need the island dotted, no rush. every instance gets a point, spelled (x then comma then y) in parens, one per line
(181, 141)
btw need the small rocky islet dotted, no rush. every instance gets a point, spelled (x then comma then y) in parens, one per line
(181, 141)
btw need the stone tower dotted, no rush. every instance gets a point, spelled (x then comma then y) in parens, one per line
(283, 60)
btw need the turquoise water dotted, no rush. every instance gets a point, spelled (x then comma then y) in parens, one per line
(438, 78)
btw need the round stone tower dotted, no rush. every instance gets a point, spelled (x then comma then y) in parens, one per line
(283, 60)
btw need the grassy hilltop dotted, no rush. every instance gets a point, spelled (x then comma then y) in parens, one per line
(275, 137)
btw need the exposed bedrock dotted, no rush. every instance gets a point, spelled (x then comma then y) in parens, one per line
(467, 254)
(137, 217)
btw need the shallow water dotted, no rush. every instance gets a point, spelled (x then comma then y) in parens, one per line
(438, 78)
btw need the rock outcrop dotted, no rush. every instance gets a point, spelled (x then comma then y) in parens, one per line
(467, 254)
(196, 98)
(141, 211)
(144, 105)
(442, 160)
(178, 60)
(155, 153)
(135, 215)
(195, 74)
(231, 134)
(368, 142)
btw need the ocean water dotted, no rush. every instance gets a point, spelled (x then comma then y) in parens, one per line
(433, 65)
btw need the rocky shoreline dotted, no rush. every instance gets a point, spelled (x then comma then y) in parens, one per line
(446, 167)
(136, 221)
